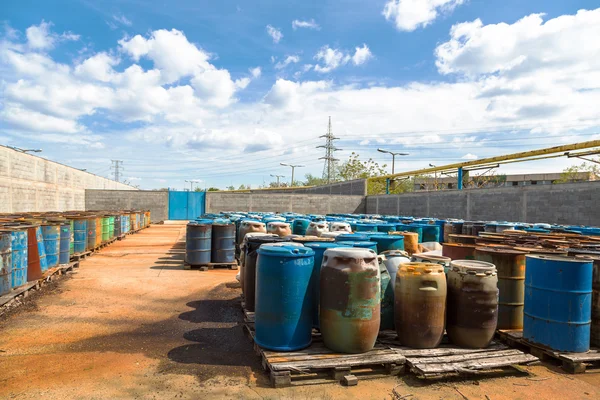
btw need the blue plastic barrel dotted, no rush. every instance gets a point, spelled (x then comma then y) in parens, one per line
(198, 244)
(223, 243)
(351, 237)
(80, 235)
(284, 303)
(5, 262)
(387, 227)
(365, 245)
(19, 258)
(416, 228)
(558, 302)
(299, 226)
(388, 242)
(65, 241)
(431, 233)
(41, 249)
(362, 227)
(51, 235)
(319, 249)
(441, 223)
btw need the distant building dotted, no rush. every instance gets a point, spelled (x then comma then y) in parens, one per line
(449, 183)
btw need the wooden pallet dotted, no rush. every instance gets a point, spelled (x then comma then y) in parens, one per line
(317, 364)
(573, 363)
(448, 359)
(121, 237)
(209, 266)
(81, 256)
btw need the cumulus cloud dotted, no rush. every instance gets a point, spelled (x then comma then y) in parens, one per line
(275, 33)
(334, 58)
(469, 156)
(287, 61)
(40, 37)
(409, 15)
(310, 24)
(122, 19)
(361, 55)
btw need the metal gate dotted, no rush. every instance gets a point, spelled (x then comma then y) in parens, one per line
(186, 205)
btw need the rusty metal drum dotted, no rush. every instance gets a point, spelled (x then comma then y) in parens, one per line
(510, 265)
(433, 259)
(411, 241)
(350, 297)
(5, 263)
(420, 304)
(472, 306)
(459, 251)
(281, 229)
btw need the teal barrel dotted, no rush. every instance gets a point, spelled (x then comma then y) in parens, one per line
(319, 249)
(105, 229)
(41, 249)
(91, 233)
(387, 297)
(416, 229)
(223, 243)
(118, 225)
(558, 302)
(430, 233)
(366, 244)
(19, 257)
(111, 227)
(284, 302)
(387, 227)
(65, 241)
(388, 242)
(80, 230)
(350, 299)
(198, 243)
(72, 241)
(5, 262)
(51, 236)
(299, 226)
(351, 237)
(362, 227)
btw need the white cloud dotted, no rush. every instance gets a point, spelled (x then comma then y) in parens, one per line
(331, 58)
(122, 19)
(39, 37)
(469, 156)
(98, 67)
(409, 15)
(361, 55)
(286, 94)
(256, 72)
(310, 24)
(275, 33)
(288, 60)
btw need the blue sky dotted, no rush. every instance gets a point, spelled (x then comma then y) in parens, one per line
(223, 92)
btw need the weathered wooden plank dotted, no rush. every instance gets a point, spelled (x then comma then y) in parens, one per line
(589, 356)
(474, 364)
(447, 350)
(304, 357)
(464, 357)
(349, 361)
(315, 348)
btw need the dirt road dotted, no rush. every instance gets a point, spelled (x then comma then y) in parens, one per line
(131, 323)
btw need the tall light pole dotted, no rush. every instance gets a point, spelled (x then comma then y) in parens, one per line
(293, 168)
(435, 182)
(393, 156)
(278, 176)
(191, 184)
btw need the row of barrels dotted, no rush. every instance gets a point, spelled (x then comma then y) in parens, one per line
(32, 243)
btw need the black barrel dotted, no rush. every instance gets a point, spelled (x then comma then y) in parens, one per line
(118, 224)
(223, 243)
(198, 243)
(250, 266)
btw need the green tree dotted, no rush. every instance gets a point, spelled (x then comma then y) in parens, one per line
(355, 168)
(571, 174)
(213, 189)
(244, 187)
(231, 187)
(312, 180)
(281, 184)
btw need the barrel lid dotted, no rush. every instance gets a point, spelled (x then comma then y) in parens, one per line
(545, 257)
(404, 233)
(352, 236)
(386, 237)
(339, 223)
(363, 243)
(350, 252)
(432, 257)
(460, 245)
(266, 239)
(473, 267)
(332, 234)
(593, 257)
(284, 244)
(395, 253)
(499, 250)
(278, 223)
(319, 223)
(286, 250)
(421, 268)
(327, 245)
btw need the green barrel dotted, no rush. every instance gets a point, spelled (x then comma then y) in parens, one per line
(105, 229)
(111, 227)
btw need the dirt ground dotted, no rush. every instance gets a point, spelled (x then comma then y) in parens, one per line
(131, 323)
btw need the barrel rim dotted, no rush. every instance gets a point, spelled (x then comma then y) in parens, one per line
(545, 257)
(286, 250)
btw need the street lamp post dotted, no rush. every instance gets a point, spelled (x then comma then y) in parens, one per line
(278, 176)
(435, 182)
(191, 184)
(393, 156)
(293, 168)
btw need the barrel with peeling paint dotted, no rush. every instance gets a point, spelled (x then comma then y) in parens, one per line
(79, 235)
(98, 231)
(19, 257)
(223, 243)
(420, 304)
(284, 302)
(5, 262)
(34, 270)
(72, 241)
(118, 225)
(41, 249)
(510, 265)
(51, 235)
(279, 228)
(387, 296)
(558, 302)
(249, 225)
(198, 243)
(91, 234)
(472, 307)
(459, 251)
(350, 297)
(316, 228)
(65, 241)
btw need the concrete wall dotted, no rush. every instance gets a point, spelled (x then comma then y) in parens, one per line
(570, 203)
(356, 187)
(155, 201)
(283, 202)
(30, 183)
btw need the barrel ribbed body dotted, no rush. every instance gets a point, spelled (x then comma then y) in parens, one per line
(385, 227)
(223, 243)
(51, 234)
(98, 231)
(72, 241)
(558, 302)
(388, 242)
(105, 229)
(34, 270)
(65, 241)
(279, 228)
(459, 251)
(393, 259)
(420, 304)
(252, 247)
(472, 306)
(510, 265)
(5, 262)
(19, 248)
(351, 237)
(350, 297)
(595, 323)
(299, 226)
(387, 297)
(118, 226)
(91, 234)
(283, 317)
(411, 241)
(431, 233)
(433, 259)
(111, 227)
(41, 249)
(198, 239)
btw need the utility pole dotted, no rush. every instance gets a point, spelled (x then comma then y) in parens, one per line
(191, 184)
(293, 168)
(330, 149)
(393, 156)
(117, 165)
(278, 176)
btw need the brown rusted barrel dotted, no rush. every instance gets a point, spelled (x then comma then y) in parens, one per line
(595, 326)
(459, 251)
(472, 307)
(281, 229)
(411, 241)
(447, 231)
(310, 238)
(34, 270)
(510, 265)
(420, 304)
(350, 296)
(466, 239)
(542, 250)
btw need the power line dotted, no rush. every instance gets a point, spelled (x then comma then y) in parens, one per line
(330, 149)
(116, 165)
